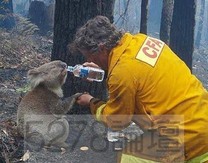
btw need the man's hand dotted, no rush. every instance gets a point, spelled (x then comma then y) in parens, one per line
(84, 99)
(91, 64)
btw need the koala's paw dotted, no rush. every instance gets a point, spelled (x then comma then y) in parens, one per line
(62, 145)
(76, 95)
(73, 98)
(34, 141)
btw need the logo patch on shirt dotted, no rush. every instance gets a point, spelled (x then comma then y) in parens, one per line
(150, 51)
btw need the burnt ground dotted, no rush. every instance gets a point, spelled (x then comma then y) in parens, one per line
(18, 54)
(14, 65)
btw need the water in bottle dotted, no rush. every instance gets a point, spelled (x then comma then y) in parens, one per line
(90, 73)
(113, 136)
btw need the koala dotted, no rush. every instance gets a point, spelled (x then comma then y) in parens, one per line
(40, 114)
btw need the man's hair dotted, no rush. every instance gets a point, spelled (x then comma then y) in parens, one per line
(96, 31)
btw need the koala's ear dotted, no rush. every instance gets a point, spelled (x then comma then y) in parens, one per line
(33, 72)
(34, 77)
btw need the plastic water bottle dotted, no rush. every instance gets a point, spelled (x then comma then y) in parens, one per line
(113, 136)
(90, 73)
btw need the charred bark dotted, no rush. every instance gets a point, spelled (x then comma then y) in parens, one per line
(69, 15)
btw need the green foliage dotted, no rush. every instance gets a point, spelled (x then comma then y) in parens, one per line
(23, 89)
(24, 26)
(22, 48)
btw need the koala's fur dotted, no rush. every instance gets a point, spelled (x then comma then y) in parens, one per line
(40, 112)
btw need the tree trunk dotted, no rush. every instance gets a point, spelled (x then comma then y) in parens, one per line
(166, 19)
(6, 14)
(144, 16)
(206, 24)
(50, 10)
(69, 15)
(200, 25)
(37, 15)
(182, 30)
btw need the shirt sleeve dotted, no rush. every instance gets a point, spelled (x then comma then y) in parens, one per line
(119, 109)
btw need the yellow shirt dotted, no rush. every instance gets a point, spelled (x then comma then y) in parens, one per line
(146, 78)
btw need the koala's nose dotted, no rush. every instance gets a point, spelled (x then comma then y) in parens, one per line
(63, 65)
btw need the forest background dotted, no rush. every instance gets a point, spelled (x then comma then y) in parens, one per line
(27, 41)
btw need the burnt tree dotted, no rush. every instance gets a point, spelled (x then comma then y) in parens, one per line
(144, 15)
(200, 25)
(182, 30)
(69, 15)
(6, 14)
(37, 15)
(166, 19)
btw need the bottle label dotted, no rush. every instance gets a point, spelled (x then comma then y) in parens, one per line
(83, 73)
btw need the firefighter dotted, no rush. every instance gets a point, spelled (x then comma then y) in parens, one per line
(148, 84)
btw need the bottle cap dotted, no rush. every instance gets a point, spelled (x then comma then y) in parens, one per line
(70, 68)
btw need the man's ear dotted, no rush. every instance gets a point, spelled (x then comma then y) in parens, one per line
(101, 46)
(103, 49)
